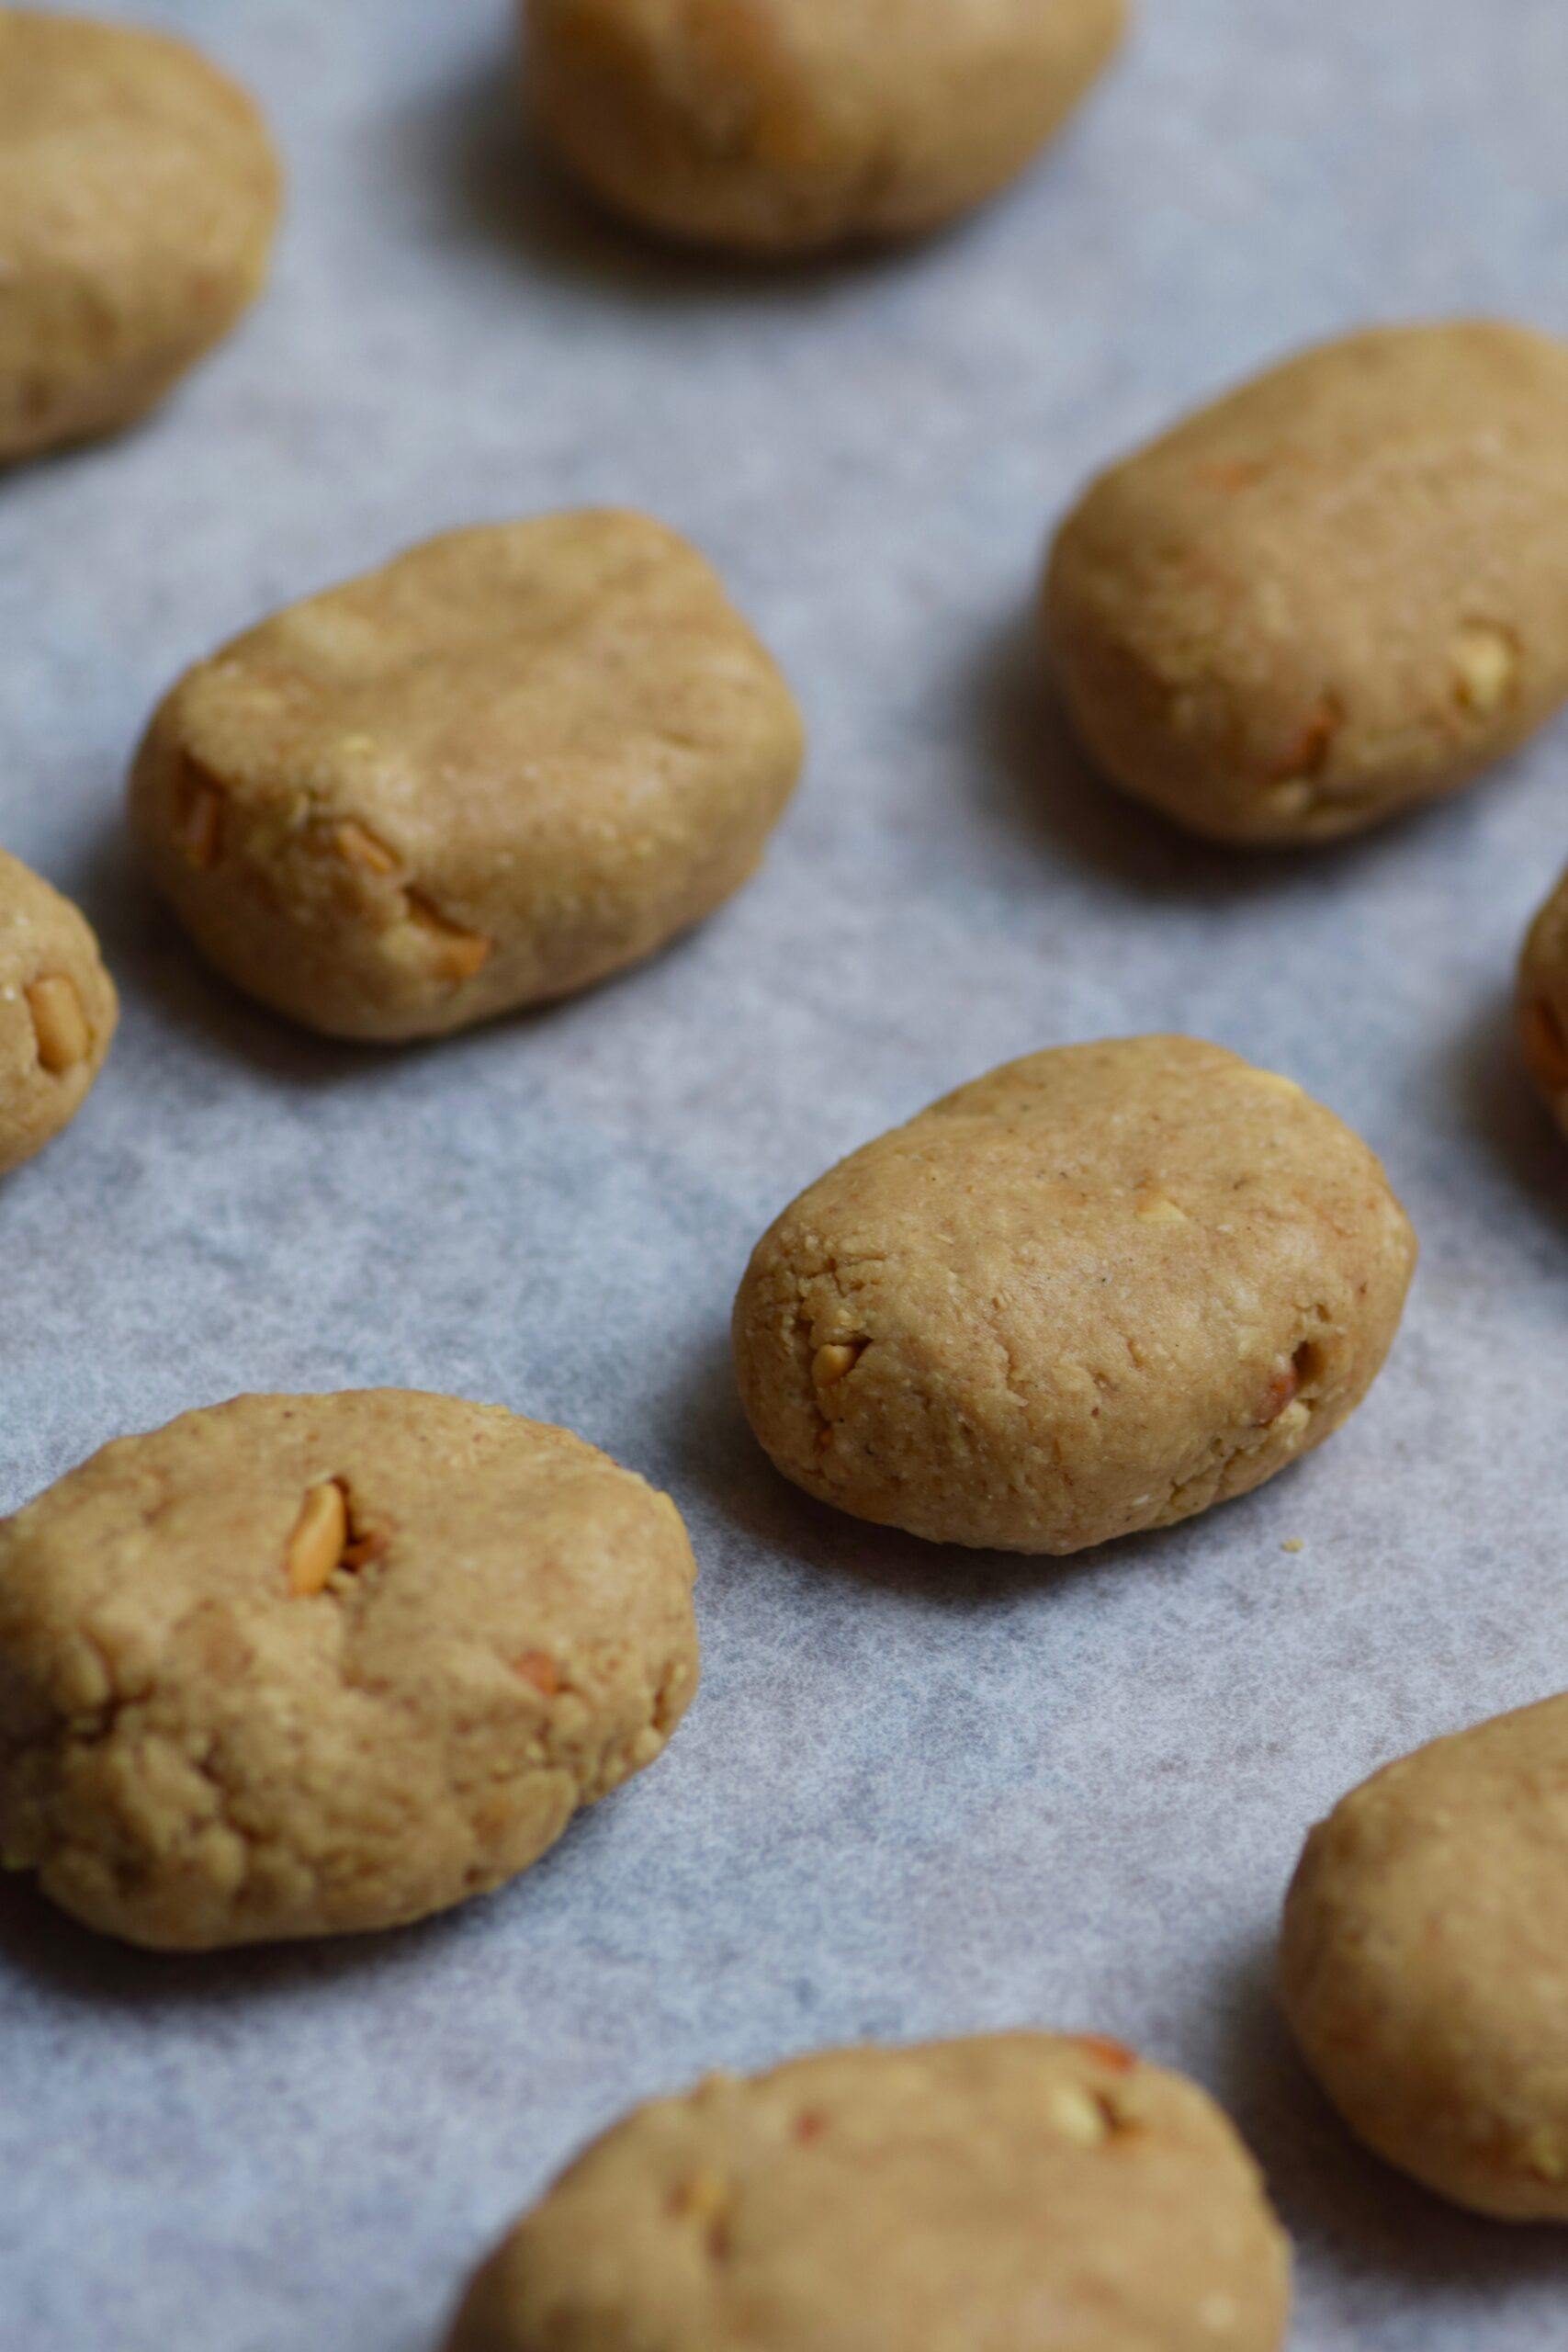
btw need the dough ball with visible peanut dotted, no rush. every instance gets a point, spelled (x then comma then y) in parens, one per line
(782, 125)
(58, 1011)
(513, 761)
(138, 195)
(1094, 1292)
(1341, 591)
(1423, 1970)
(1541, 1003)
(1023, 2192)
(295, 1665)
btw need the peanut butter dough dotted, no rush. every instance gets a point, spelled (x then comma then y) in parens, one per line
(511, 761)
(1094, 1292)
(778, 126)
(1422, 1968)
(1341, 591)
(58, 1011)
(298, 1665)
(139, 195)
(1023, 2192)
(1543, 1002)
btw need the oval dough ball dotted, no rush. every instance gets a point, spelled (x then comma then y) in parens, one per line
(139, 195)
(1339, 591)
(300, 1664)
(1023, 2192)
(781, 126)
(58, 1011)
(1543, 1002)
(1094, 1292)
(1422, 1967)
(509, 762)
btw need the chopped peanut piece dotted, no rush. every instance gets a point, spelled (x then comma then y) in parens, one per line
(1280, 1392)
(702, 2198)
(832, 1361)
(365, 1545)
(1308, 754)
(201, 827)
(1114, 2054)
(357, 845)
(316, 1546)
(59, 1022)
(1486, 665)
(1155, 1209)
(1077, 2117)
(537, 1668)
(459, 955)
(810, 2126)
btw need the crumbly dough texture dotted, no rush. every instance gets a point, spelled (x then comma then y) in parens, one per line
(778, 126)
(58, 1011)
(139, 195)
(1423, 1969)
(1341, 591)
(1543, 1002)
(212, 1734)
(515, 760)
(1094, 1292)
(1021, 2192)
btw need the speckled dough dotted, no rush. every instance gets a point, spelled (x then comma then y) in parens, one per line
(513, 761)
(1339, 591)
(1020, 2193)
(1423, 1967)
(1094, 1292)
(297, 1664)
(139, 193)
(1543, 1002)
(777, 126)
(58, 1011)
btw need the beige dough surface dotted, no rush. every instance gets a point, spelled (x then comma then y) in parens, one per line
(298, 1665)
(513, 761)
(58, 1011)
(1340, 591)
(1541, 1004)
(1094, 1292)
(778, 126)
(138, 195)
(1423, 1967)
(1021, 2192)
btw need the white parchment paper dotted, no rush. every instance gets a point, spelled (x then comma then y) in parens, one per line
(921, 1792)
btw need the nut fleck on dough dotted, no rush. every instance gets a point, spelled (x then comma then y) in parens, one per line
(782, 125)
(513, 761)
(1338, 593)
(1541, 1004)
(58, 1011)
(1016, 2190)
(295, 1665)
(139, 195)
(1039, 1363)
(1424, 1964)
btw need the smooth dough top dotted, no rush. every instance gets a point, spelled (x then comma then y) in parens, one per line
(139, 192)
(58, 1011)
(1093, 1292)
(781, 125)
(1016, 2193)
(1423, 1964)
(212, 1732)
(516, 758)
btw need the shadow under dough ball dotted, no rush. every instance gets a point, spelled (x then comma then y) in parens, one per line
(1022, 2191)
(139, 197)
(1422, 1963)
(515, 760)
(296, 1666)
(1338, 593)
(783, 126)
(1094, 1292)
(58, 1011)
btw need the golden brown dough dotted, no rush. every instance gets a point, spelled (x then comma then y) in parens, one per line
(1023, 2192)
(139, 195)
(1094, 1292)
(509, 762)
(58, 1011)
(777, 126)
(1339, 591)
(1541, 1006)
(298, 1665)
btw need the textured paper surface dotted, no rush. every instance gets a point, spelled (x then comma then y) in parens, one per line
(921, 1792)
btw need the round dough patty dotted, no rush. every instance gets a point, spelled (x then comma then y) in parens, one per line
(778, 126)
(1542, 1008)
(1021, 2192)
(297, 1664)
(58, 1011)
(1422, 1968)
(139, 193)
(509, 762)
(1094, 1292)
